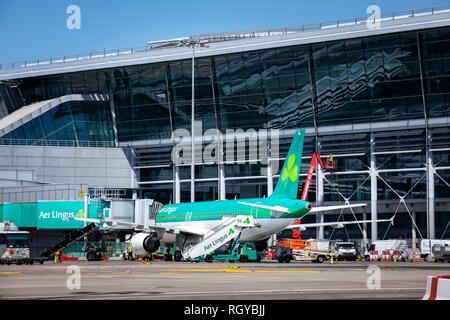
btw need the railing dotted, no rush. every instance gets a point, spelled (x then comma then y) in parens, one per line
(218, 37)
(56, 143)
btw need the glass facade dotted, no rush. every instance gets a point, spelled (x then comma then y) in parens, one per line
(76, 121)
(352, 81)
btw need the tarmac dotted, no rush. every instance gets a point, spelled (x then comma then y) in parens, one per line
(267, 280)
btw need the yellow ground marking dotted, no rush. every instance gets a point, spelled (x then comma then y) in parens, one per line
(286, 271)
(235, 270)
(143, 261)
(13, 273)
(123, 272)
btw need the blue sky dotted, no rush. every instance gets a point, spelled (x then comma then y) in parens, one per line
(37, 29)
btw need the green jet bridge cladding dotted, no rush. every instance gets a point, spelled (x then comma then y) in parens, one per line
(51, 214)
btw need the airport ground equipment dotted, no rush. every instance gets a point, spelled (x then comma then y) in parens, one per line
(426, 246)
(387, 246)
(15, 245)
(441, 253)
(94, 253)
(345, 251)
(303, 250)
(69, 239)
(228, 230)
(236, 252)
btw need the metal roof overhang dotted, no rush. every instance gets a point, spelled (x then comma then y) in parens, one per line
(348, 31)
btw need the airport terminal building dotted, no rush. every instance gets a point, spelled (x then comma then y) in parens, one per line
(375, 98)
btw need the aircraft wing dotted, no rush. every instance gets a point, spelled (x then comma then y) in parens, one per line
(192, 230)
(344, 206)
(276, 208)
(185, 229)
(337, 224)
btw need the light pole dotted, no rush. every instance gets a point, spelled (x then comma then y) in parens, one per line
(193, 43)
(192, 128)
(187, 41)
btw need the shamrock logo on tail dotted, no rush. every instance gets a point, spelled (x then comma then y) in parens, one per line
(290, 171)
(231, 231)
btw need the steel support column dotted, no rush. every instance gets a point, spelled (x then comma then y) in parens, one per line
(413, 232)
(269, 167)
(269, 177)
(177, 189)
(373, 189)
(222, 194)
(431, 225)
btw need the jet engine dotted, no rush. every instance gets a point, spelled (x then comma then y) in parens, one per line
(144, 243)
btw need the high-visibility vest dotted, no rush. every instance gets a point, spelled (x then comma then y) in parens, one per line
(130, 250)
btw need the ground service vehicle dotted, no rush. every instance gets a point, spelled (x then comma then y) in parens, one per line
(15, 245)
(345, 251)
(303, 250)
(243, 253)
(426, 246)
(441, 253)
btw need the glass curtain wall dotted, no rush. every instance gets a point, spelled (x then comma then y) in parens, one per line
(369, 79)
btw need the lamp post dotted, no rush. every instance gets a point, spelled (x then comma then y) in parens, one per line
(192, 127)
(193, 43)
(187, 41)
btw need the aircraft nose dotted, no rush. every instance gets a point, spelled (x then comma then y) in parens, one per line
(308, 206)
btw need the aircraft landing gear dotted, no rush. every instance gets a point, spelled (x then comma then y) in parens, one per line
(168, 255)
(178, 256)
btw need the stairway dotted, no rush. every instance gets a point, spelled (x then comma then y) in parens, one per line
(71, 237)
(227, 230)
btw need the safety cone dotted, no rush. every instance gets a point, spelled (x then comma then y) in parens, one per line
(331, 261)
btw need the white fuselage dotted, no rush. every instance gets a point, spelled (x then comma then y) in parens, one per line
(266, 228)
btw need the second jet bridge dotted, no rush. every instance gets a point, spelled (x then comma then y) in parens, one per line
(228, 230)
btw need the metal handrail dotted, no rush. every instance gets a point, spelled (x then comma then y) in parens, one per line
(227, 36)
(56, 143)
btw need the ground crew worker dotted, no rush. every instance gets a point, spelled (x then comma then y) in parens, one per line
(57, 257)
(130, 254)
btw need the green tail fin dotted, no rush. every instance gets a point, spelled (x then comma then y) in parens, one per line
(287, 185)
